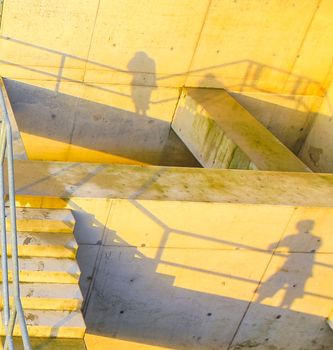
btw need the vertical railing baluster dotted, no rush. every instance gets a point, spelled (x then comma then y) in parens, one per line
(4, 253)
(16, 310)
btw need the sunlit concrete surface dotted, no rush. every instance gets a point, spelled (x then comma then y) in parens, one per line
(174, 256)
(169, 249)
(223, 134)
(81, 80)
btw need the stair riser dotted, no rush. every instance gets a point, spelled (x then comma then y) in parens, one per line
(44, 251)
(48, 304)
(30, 225)
(45, 277)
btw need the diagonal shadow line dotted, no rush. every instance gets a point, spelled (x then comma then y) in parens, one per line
(160, 78)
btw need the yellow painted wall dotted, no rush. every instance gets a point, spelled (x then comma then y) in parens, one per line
(99, 50)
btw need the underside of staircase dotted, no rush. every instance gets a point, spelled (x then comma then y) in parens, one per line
(49, 277)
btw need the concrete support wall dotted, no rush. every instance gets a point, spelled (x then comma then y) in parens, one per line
(96, 124)
(317, 149)
(133, 57)
(223, 134)
(176, 258)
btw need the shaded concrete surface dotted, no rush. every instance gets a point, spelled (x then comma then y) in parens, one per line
(131, 301)
(94, 126)
(143, 286)
(19, 151)
(288, 117)
(223, 134)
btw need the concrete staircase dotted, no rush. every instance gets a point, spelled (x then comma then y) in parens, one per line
(49, 274)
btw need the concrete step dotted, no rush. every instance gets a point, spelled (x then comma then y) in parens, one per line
(43, 220)
(40, 296)
(47, 270)
(45, 244)
(50, 344)
(56, 324)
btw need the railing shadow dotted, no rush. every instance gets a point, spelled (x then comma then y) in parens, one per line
(108, 128)
(150, 294)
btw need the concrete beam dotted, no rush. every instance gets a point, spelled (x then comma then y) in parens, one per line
(97, 181)
(223, 134)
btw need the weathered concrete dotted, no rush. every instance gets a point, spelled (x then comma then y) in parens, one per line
(55, 183)
(49, 273)
(47, 270)
(51, 344)
(97, 123)
(316, 150)
(173, 257)
(19, 151)
(287, 116)
(212, 42)
(47, 323)
(43, 220)
(222, 134)
(130, 78)
(53, 296)
(47, 244)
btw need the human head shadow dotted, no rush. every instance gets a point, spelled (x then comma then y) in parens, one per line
(143, 69)
(210, 80)
(303, 241)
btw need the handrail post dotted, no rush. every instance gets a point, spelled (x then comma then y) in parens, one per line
(6, 142)
(4, 253)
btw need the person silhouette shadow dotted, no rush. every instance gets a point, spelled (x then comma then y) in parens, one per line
(143, 69)
(296, 270)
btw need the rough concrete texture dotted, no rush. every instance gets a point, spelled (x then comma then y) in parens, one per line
(316, 150)
(108, 74)
(48, 273)
(223, 134)
(178, 258)
(51, 344)
(102, 129)
(89, 183)
(19, 151)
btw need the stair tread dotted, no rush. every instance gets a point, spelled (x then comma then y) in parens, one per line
(44, 214)
(44, 290)
(48, 264)
(47, 220)
(49, 296)
(46, 323)
(50, 344)
(46, 239)
(47, 270)
(45, 244)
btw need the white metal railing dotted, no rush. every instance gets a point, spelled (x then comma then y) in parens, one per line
(14, 310)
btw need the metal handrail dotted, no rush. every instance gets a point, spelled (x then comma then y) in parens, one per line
(9, 312)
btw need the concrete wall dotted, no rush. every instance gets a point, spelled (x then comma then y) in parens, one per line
(72, 126)
(133, 57)
(178, 258)
(317, 150)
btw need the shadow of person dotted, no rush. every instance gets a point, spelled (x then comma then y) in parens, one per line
(143, 69)
(297, 268)
(210, 81)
